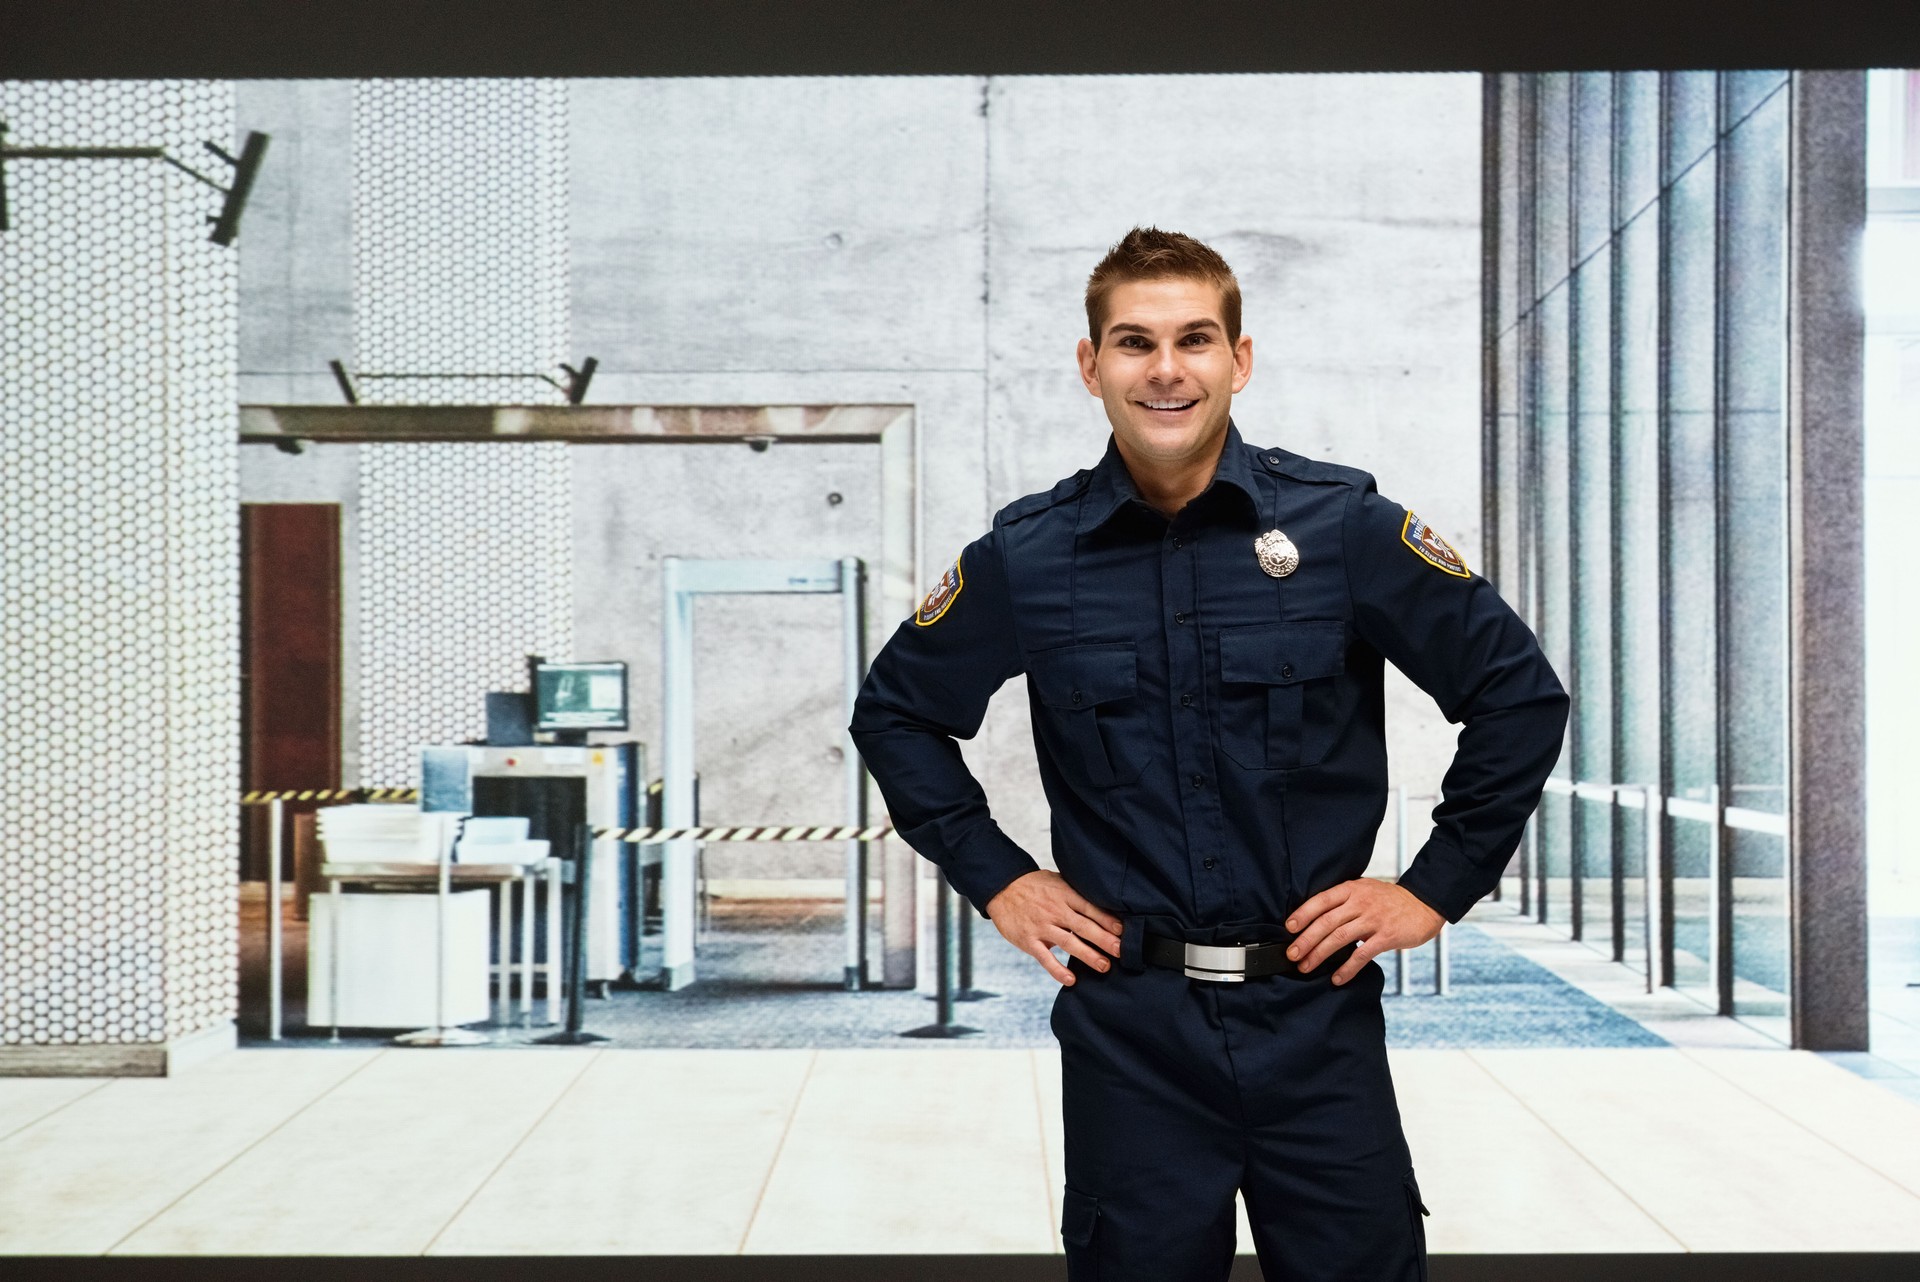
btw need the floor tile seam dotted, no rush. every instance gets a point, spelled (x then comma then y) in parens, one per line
(1889, 1061)
(1884, 1013)
(68, 1102)
(559, 1096)
(1852, 1156)
(1571, 1147)
(1046, 1165)
(1686, 1005)
(257, 1141)
(780, 1146)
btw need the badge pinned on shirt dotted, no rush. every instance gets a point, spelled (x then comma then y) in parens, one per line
(941, 597)
(1278, 556)
(1431, 548)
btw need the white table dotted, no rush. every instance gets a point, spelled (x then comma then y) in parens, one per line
(503, 876)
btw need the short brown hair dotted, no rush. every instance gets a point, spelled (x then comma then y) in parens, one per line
(1147, 253)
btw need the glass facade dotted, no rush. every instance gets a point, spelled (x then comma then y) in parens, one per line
(1637, 436)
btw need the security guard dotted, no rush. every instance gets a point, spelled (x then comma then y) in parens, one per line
(1203, 626)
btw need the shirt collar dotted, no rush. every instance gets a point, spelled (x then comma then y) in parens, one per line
(1112, 485)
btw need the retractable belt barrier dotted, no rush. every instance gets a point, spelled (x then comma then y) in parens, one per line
(266, 796)
(635, 836)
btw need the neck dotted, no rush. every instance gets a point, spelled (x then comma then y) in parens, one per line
(1168, 485)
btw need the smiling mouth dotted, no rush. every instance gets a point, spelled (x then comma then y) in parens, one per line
(1169, 407)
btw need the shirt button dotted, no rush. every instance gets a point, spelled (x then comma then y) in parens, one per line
(1274, 459)
(1286, 670)
(1186, 701)
(1177, 543)
(1181, 617)
(1199, 781)
(1076, 697)
(1208, 864)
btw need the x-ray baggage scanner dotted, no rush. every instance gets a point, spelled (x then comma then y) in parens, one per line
(557, 786)
(685, 579)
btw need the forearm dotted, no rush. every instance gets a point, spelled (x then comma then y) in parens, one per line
(1493, 786)
(938, 807)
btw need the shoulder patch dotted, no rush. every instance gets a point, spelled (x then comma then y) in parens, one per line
(1027, 505)
(1431, 548)
(941, 597)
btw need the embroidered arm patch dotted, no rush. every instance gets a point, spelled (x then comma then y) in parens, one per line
(942, 595)
(1431, 548)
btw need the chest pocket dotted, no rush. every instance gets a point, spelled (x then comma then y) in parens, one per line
(1277, 704)
(1086, 694)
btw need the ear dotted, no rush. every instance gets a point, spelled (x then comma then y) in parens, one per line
(1089, 370)
(1242, 362)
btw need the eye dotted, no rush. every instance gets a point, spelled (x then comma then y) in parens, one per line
(1132, 340)
(1198, 338)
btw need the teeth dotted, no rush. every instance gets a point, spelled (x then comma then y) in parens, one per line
(1168, 405)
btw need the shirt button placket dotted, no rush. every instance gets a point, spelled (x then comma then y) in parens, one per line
(1191, 745)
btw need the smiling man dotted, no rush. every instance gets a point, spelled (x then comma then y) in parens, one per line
(1203, 625)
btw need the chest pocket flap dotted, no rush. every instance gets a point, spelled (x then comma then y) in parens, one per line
(1283, 653)
(1090, 742)
(1080, 676)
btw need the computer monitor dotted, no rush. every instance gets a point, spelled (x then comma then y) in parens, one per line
(573, 698)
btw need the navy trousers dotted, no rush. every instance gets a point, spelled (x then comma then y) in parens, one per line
(1178, 1091)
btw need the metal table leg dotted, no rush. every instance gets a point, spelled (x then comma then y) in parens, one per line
(526, 945)
(276, 981)
(554, 950)
(333, 955)
(503, 933)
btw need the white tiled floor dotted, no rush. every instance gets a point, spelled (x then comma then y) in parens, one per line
(946, 1149)
(1722, 1141)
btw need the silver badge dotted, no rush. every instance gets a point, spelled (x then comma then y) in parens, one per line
(1277, 554)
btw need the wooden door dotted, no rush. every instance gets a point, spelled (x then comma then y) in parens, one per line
(289, 659)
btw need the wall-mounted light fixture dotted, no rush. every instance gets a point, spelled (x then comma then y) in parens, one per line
(574, 386)
(226, 223)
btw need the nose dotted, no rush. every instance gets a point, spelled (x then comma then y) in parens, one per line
(1165, 365)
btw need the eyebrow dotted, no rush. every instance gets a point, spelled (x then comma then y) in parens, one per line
(1127, 327)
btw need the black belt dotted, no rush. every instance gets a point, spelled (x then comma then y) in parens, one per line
(1232, 963)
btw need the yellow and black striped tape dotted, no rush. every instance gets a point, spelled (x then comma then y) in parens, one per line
(775, 832)
(261, 796)
(637, 836)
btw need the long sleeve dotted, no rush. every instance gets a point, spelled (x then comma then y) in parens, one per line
(1452, 634)
(929, 686)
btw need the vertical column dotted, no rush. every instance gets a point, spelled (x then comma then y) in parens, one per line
(1827, 684)
(119, 696)
(460, 269)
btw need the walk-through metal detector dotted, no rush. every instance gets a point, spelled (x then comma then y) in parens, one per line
(684, 579)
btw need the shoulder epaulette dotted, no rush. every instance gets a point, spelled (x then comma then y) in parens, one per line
(1313, 471)
(1063, 490)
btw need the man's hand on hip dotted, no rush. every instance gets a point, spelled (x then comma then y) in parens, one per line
(1039, 910)
(1381, 915)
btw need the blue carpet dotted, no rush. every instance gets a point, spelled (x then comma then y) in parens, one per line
(769, 978)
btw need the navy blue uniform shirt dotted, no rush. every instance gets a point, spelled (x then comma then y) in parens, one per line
(1211, 737)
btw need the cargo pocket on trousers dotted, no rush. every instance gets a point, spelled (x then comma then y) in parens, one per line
(1415, 1210)
(1079, 1222)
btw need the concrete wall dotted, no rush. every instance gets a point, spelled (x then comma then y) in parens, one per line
(926, 241)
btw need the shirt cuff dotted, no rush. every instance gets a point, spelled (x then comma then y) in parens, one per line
(1445, 880)
(985, 863)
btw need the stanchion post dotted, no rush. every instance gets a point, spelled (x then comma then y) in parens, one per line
(1399, 870)
(944, 1026)
(572, 1034)
(276, 817)
(1650, 884)
(447, 826)
(966, 992)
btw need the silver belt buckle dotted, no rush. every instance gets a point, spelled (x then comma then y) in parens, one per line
(1223, 964)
